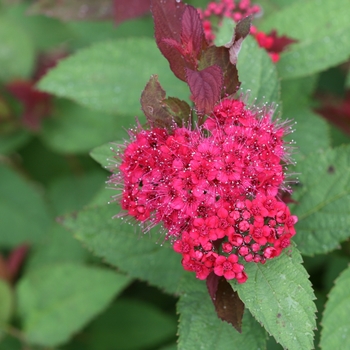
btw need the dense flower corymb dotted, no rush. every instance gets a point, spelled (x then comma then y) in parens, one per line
(214, 189)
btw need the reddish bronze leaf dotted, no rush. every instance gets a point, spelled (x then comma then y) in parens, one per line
(179, 109)
(162, 112)
(242, 29)
(167, 16)
(192, 34)
(74, 9)
(128, 9)
(205, 86)
(229, 307)
(179, 34)
(220, 56)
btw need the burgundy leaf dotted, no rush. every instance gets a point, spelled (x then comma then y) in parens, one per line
(229, 307)
(167, 15)
(179, 34)
(179, 109)
(128, 9)
(162, 112)
(192, 34)
(242, 29)
(73, 9)
(205, 86)
(220, 56)
(212, 285)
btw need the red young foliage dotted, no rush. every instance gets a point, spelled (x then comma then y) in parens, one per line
(205, 86)
(229, 307)
(160, 111)
(180, 37)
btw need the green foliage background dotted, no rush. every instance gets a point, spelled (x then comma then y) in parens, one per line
(90, 282)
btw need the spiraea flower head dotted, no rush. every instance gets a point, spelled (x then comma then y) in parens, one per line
(214, 189)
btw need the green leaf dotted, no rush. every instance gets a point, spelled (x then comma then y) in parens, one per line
(311, 133)
(58, 246)
(56, 301)
(347, 82)
(322, 30)
(336, 327)
(13, 141)
(63, 132)
(142, 256)
(78, 189)
(104, 154)
(257, 73)
(280, 297)
(323, 200)
(110, 76)
(23, 213)
(130, 324)
(200, 327)
(17, 51)
(6, 302)
(46, 33)
(298, 93)
(225, 32)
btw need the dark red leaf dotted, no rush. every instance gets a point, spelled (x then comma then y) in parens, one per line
(74, 9)
(179, 34)
(242, 29)
(162, 112)
(205, 86)
(167, 15)
(179, 109)
(229, 307)
(220, 56)
(192, 33)
(128, 9)
(279, 42)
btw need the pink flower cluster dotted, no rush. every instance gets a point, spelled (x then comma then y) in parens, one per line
(214, 189)
(226, 8)
(271, 42)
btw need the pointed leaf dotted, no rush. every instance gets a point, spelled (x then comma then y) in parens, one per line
(73, 9)
(257, 73)
(119, 244)
(168, 26)
(58, 300)
(99, 78)
(229, 307)
(179, 109)
(24, 216)
(192, 33)
(130, 323)
(200, 327)
(322, 31)
(159, 111)
(205, 86)
(323, 200)
(6, 302)
(335, 321)
(280, 297)
(242, 29)
(220, 56)
(104, 154)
